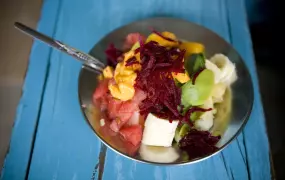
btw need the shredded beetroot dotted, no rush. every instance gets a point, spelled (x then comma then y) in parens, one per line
(112, 54)
(196, 75)
(199, 143)
(132, 61)
(155, 79)
(166, 38)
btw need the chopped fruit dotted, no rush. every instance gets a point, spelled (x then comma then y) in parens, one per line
(181, 77)
(192, 48)
(113, 107)
(133, 134)
(158, 154)
(132, 39)
(196, 94)
(128, 106)
(122, 91)
(131, 149)
(101, 90)
(102, 122)
(139, 96)
(117, 123)
(227, 68)
(100, 77)
(108, 72)
(135, 118)
(161, 40)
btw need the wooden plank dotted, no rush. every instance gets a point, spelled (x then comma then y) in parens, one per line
(66, 148)
(21, 145)
(256, 141)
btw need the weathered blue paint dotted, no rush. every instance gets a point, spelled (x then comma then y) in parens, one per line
(21, 145)
(255, 134)
(65, 146)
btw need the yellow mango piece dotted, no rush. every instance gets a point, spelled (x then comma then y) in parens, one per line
(181, 77)
(128, 55)
(130, 79)
(192, 48)
(127, 72)
(169, 35)
(100, 77)
(114, 90)
(161, 41)
(138, 56)
(133, 67)
(122, 91)
(122, 70)
(136, 67)
(127, 90)
(135, 46)
(108, 72)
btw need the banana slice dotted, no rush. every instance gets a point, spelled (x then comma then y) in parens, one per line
(227, 68)
(218, 92)
(158, 154)
(206, 120)
(217, 72)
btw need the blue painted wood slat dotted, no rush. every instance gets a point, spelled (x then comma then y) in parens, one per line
(66, 148)
(18, 157)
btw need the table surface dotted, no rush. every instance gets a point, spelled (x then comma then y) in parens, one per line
(50, 138)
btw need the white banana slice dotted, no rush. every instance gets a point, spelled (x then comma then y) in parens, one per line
(218, 92)
(206, 120)
(158, 132)
(227, 68)
(213, 67)
(208, 103)
(158, 154)
(135, 118)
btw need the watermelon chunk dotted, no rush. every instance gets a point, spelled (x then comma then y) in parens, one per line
(120, 121)
(113, 107)
(135, 118)
(132, 134)
(131, 149)
(139, 96)
(101, 90)
(128, 106)
(131, 39)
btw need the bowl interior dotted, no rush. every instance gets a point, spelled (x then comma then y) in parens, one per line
(241, 91)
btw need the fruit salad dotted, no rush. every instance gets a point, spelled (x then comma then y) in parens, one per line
(157, 97)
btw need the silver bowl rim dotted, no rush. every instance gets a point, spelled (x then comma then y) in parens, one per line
(192, 161)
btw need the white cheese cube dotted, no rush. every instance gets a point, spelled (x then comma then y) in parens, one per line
(158, 132)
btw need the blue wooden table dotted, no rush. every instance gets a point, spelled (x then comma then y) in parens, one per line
(50, 138)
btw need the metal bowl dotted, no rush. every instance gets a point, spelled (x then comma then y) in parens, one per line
(241, 90)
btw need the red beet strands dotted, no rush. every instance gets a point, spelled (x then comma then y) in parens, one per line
(199, 143)
(112, 54)
(131, 61)
(155, 79)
